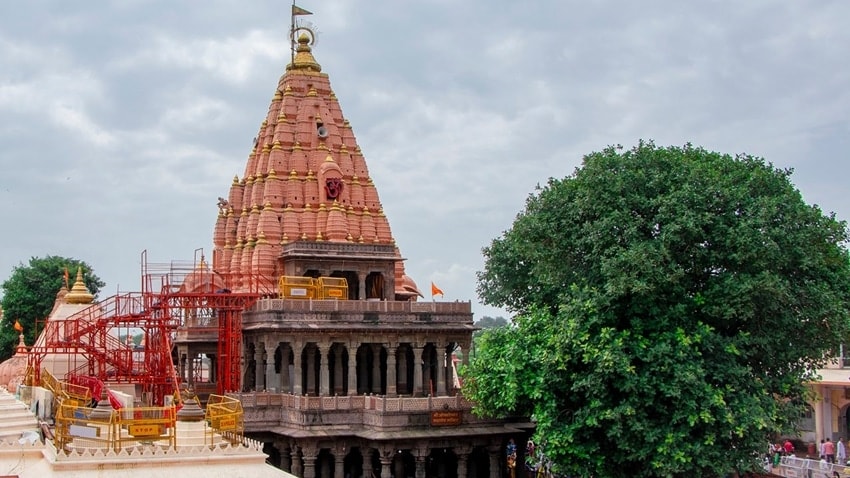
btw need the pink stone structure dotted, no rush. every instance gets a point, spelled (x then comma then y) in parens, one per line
(306, 187)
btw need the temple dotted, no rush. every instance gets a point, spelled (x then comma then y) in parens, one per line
(343, 373)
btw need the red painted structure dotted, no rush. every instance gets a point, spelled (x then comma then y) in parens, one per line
(88, 341)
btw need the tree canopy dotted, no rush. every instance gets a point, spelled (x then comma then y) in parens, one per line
(671, 304)
(30, 292)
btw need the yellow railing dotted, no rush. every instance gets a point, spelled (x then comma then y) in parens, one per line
(85, 427)
(225, 417)
(108, 429)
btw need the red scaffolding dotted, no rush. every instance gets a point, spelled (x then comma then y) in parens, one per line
(95, 341)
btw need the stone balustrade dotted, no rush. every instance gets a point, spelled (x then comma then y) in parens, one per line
(263, 410)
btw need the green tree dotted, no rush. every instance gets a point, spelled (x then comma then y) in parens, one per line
(671, 305)
(30, 292)
(488, 322)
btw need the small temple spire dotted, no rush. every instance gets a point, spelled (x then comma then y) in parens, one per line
(79, 293)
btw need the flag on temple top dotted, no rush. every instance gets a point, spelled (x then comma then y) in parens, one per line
(435, 290)
(66, 276)
(18, 326)
(296, 10)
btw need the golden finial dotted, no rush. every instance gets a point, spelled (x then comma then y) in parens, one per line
(236, 180)
(287, 91)
(304, 59)
(79, 293)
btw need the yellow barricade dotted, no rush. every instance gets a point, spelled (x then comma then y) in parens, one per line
(332, 288)
(225, 417)
(294, 287)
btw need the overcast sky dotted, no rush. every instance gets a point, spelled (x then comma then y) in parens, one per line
(122, 122)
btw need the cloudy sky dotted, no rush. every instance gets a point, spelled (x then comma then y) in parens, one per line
(121, 122)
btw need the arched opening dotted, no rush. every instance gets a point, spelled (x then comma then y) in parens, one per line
(404, 464)
(441, 463)
(273, 457)
(325, 464)
(352, 465)
(375, 285)
(479, 463)
(353, 282)
(310, 366)
(338, 367)
(429, 372)
(404, 369)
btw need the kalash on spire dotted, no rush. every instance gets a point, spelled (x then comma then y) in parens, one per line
(306, 204)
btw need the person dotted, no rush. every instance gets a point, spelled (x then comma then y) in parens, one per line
(829, 451)
(821, 453)
(841, 451)
(510, 451)
(788, 446)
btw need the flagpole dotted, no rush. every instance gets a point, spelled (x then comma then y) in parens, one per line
(292, 34)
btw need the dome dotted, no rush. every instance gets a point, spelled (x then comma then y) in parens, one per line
(13, 370)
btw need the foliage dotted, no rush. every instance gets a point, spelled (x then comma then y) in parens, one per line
(672, 303)
(488, 322)
(30, 292)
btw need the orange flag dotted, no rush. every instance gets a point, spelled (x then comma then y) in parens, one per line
(66, 277)
(18, 326)
(436, 290)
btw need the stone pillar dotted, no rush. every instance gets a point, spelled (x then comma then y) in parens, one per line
(401, 376)
(285, 378)
(309, 458)
(391, 371)
(324, 369)
(417, 371)
(352, 370)
(420, 464)
(182, 372)
(386, 465)
(463, 461)
(296, 353)
(272, 380)
(285, 456)
(339, 462)
(441, 371)
(376, 369)
(450, 372)
(495, 454)
(191, 369)
(297, 462)
(213, 368)
(337, 386)
(366, 454)
(259, 369)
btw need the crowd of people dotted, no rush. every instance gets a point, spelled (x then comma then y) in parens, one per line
(829, 451)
